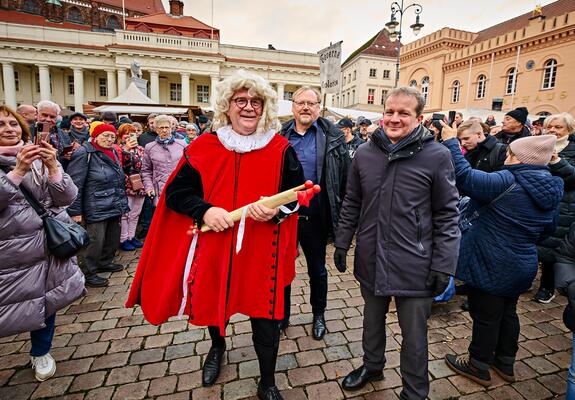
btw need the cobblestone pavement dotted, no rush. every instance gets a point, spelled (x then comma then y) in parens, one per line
(105, 351)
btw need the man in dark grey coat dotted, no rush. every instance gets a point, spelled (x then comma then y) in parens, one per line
(402, 200)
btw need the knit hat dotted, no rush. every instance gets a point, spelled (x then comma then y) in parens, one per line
(519, 114)
(192, 126)
(534, 149)
(101, 128)
(202, 119)
(94, 125)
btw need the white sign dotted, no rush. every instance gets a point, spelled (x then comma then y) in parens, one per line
(330, 68)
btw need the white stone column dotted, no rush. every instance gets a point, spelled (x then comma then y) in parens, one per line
(111, 82)
(280, 91)
(185, 88)
(78, 89)
(44, 73)
(155, 85)
(122, 79)
(9, 84)
(214, 79)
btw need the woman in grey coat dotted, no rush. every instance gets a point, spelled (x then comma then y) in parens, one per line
(33, 284)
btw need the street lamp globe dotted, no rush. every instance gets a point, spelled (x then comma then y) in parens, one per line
(391, 25)
(417, 26)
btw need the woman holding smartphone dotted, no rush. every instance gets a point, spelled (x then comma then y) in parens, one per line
(132, 155)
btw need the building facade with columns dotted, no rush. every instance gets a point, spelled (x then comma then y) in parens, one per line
(527, 61)
(367, 74)
(181, 58)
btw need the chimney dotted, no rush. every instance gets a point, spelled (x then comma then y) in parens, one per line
(176, 8)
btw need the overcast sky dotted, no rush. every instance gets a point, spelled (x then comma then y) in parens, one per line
(310, 25)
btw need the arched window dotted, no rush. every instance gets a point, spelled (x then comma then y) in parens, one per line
(549, 74)
(113, 23)
(413, 83)
(32, 6)
(74, 15)
(481, 86)
(455, 91)
(425, 87)
(511, 84)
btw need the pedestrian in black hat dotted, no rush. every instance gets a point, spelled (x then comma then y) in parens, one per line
(514, 126)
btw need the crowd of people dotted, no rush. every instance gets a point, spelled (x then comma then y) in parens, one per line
(423, 200)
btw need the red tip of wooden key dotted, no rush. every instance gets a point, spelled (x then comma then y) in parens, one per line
(308, 184)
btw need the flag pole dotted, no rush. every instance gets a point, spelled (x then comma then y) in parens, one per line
(124, 13)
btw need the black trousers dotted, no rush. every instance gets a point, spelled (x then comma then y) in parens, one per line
(266, 338)
(495, 328)
(104, 241)
(313, 241)
(412, 313)
(547, 277)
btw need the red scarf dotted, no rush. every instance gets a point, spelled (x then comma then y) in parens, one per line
(109, 152)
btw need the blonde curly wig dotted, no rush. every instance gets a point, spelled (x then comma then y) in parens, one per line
(256, 86)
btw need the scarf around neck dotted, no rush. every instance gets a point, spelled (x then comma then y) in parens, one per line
(11, 150)
(167, 141)
(233, 141)
(109, 152)
(561, 143)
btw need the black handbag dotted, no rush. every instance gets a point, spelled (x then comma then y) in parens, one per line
(64, 239)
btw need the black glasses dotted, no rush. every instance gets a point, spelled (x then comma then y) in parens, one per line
(242, 102)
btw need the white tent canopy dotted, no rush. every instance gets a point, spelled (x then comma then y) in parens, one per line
(132, 95)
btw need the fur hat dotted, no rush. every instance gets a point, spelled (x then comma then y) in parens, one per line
(519, 114)
(101, 128)
(534, 149)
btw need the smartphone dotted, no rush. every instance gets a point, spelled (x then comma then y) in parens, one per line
(451, 118)
(134, 137)
(42, 132)
(437, 117)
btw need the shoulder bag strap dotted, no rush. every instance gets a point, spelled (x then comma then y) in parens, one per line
(34, 203)
(499, 197)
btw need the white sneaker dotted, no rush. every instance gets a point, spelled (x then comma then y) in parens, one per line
(45, 366)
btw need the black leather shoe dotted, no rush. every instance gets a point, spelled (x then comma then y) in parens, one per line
(271, 393)
(358, 378)
(96, 281)
(283, 325)
(319, 328)
(112, 267)
(211, 369)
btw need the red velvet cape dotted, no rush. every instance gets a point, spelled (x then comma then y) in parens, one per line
(221, 283)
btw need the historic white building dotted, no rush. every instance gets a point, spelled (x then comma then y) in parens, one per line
(180, 57)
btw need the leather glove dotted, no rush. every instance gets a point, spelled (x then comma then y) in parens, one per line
(339, 259)
(437, 282)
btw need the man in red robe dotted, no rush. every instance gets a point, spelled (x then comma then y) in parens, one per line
(212, 277)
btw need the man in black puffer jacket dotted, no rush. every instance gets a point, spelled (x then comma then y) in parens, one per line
(563, 126)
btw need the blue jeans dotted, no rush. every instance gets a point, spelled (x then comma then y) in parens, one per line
(570, 395)
(42, 338)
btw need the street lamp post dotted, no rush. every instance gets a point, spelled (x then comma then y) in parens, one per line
(397, 8)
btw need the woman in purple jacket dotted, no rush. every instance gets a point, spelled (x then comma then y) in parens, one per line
(33, 284)
(161, 157)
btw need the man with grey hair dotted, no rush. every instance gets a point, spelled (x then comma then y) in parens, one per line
(406, 218)
(321, 148)
(48, 113)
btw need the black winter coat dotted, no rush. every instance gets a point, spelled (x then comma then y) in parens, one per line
(403, 205)
(565, 276)
(332, 169)
(488, 156)
(101, 186)
(546, 250)
(507, 137)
